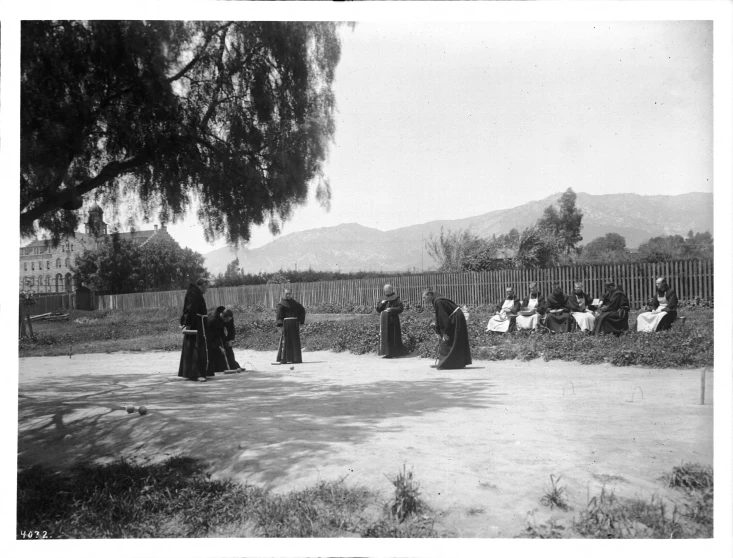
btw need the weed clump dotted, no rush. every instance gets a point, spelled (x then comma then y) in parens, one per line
(554, 496)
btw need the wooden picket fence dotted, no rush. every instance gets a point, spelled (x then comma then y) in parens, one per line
(52, 303)
(689, 278)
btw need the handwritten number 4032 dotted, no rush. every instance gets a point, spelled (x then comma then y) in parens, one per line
(34, 535)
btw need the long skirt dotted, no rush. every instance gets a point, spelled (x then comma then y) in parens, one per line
(289, 349)
(455, 353)
(649, 321)
(195, 362)
(615, 322)
(585, 320)
(390, 335)
(499, 324)
(558, 323)
(528, 322)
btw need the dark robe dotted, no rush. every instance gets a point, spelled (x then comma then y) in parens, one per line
(450, 322)
(614, 317)
(215, 334)
(290, 315)
(557, 323)
(390, 332)
(671, 309)
(231, 333)
(193, 306)
(575, 300)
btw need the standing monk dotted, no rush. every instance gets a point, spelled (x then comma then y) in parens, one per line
(193, 305)
(390, 332)
(663, 309)
(613, 316)
(290, 316)
(450, 325)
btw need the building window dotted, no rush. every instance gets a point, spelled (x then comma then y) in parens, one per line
(33, 266)
(72, 247)
(25, 266)
(58, 262)
(48, 265)
(66, 263)
(40, 264)
(32, 282)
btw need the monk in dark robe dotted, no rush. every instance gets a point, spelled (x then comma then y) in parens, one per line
(662, 309)
(231, 334)
(613, 315)
(290, 316)
(557, 317)
(450, 325)
(219, 356)
(194, 305)
(390, 332)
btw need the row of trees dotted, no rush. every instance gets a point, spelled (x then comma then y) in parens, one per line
(554, 240)
(235, 276)
(121, 266)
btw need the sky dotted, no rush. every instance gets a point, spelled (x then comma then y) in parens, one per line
(450, 120)
(445, 121)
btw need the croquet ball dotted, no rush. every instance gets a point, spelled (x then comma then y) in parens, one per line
(292, 368)
(130, 409)
(142, 410)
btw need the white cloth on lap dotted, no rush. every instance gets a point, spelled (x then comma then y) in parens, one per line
(529, 322)
(649, 321)
(585, 320)
(501, 322)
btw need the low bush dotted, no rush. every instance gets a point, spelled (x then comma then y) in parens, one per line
(176, 498)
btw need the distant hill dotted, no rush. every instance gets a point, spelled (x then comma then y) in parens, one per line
(353, 247)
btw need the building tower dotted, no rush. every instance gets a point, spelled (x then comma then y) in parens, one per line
(95, 224)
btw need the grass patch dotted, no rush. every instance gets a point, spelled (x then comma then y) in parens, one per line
(608, 517)
(554, 496)
(686, 345)
(175, 498)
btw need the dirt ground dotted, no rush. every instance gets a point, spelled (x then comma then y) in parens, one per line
(482, 441)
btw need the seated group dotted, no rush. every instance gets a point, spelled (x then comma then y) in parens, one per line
(559, 313)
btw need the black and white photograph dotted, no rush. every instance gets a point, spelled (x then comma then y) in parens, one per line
(444, 275)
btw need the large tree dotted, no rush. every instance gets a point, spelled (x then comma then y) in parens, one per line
(120, 266)
(610, 248)
(238, 115)
(564, 224)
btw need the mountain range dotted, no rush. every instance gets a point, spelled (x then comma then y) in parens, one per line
(353, 247)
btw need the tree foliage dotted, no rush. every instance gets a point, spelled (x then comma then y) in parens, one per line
(455, 250)
(610, 248)
(565, 225)
(676, 247)
(236, 114)
(538, 248)
(122, 266)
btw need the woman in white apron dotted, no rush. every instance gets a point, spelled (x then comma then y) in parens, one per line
(581, 307)
(664, 310)
(504, 320)
(534, 302)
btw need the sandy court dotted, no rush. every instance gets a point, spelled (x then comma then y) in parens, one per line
(482, 441)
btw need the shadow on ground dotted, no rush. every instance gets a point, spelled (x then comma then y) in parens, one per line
(252, 424)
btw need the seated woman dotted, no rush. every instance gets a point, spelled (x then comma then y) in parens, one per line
(504, 319)
(613, 315)
(557, 318)
(532, 309)
(663, 309)
(581, 306)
